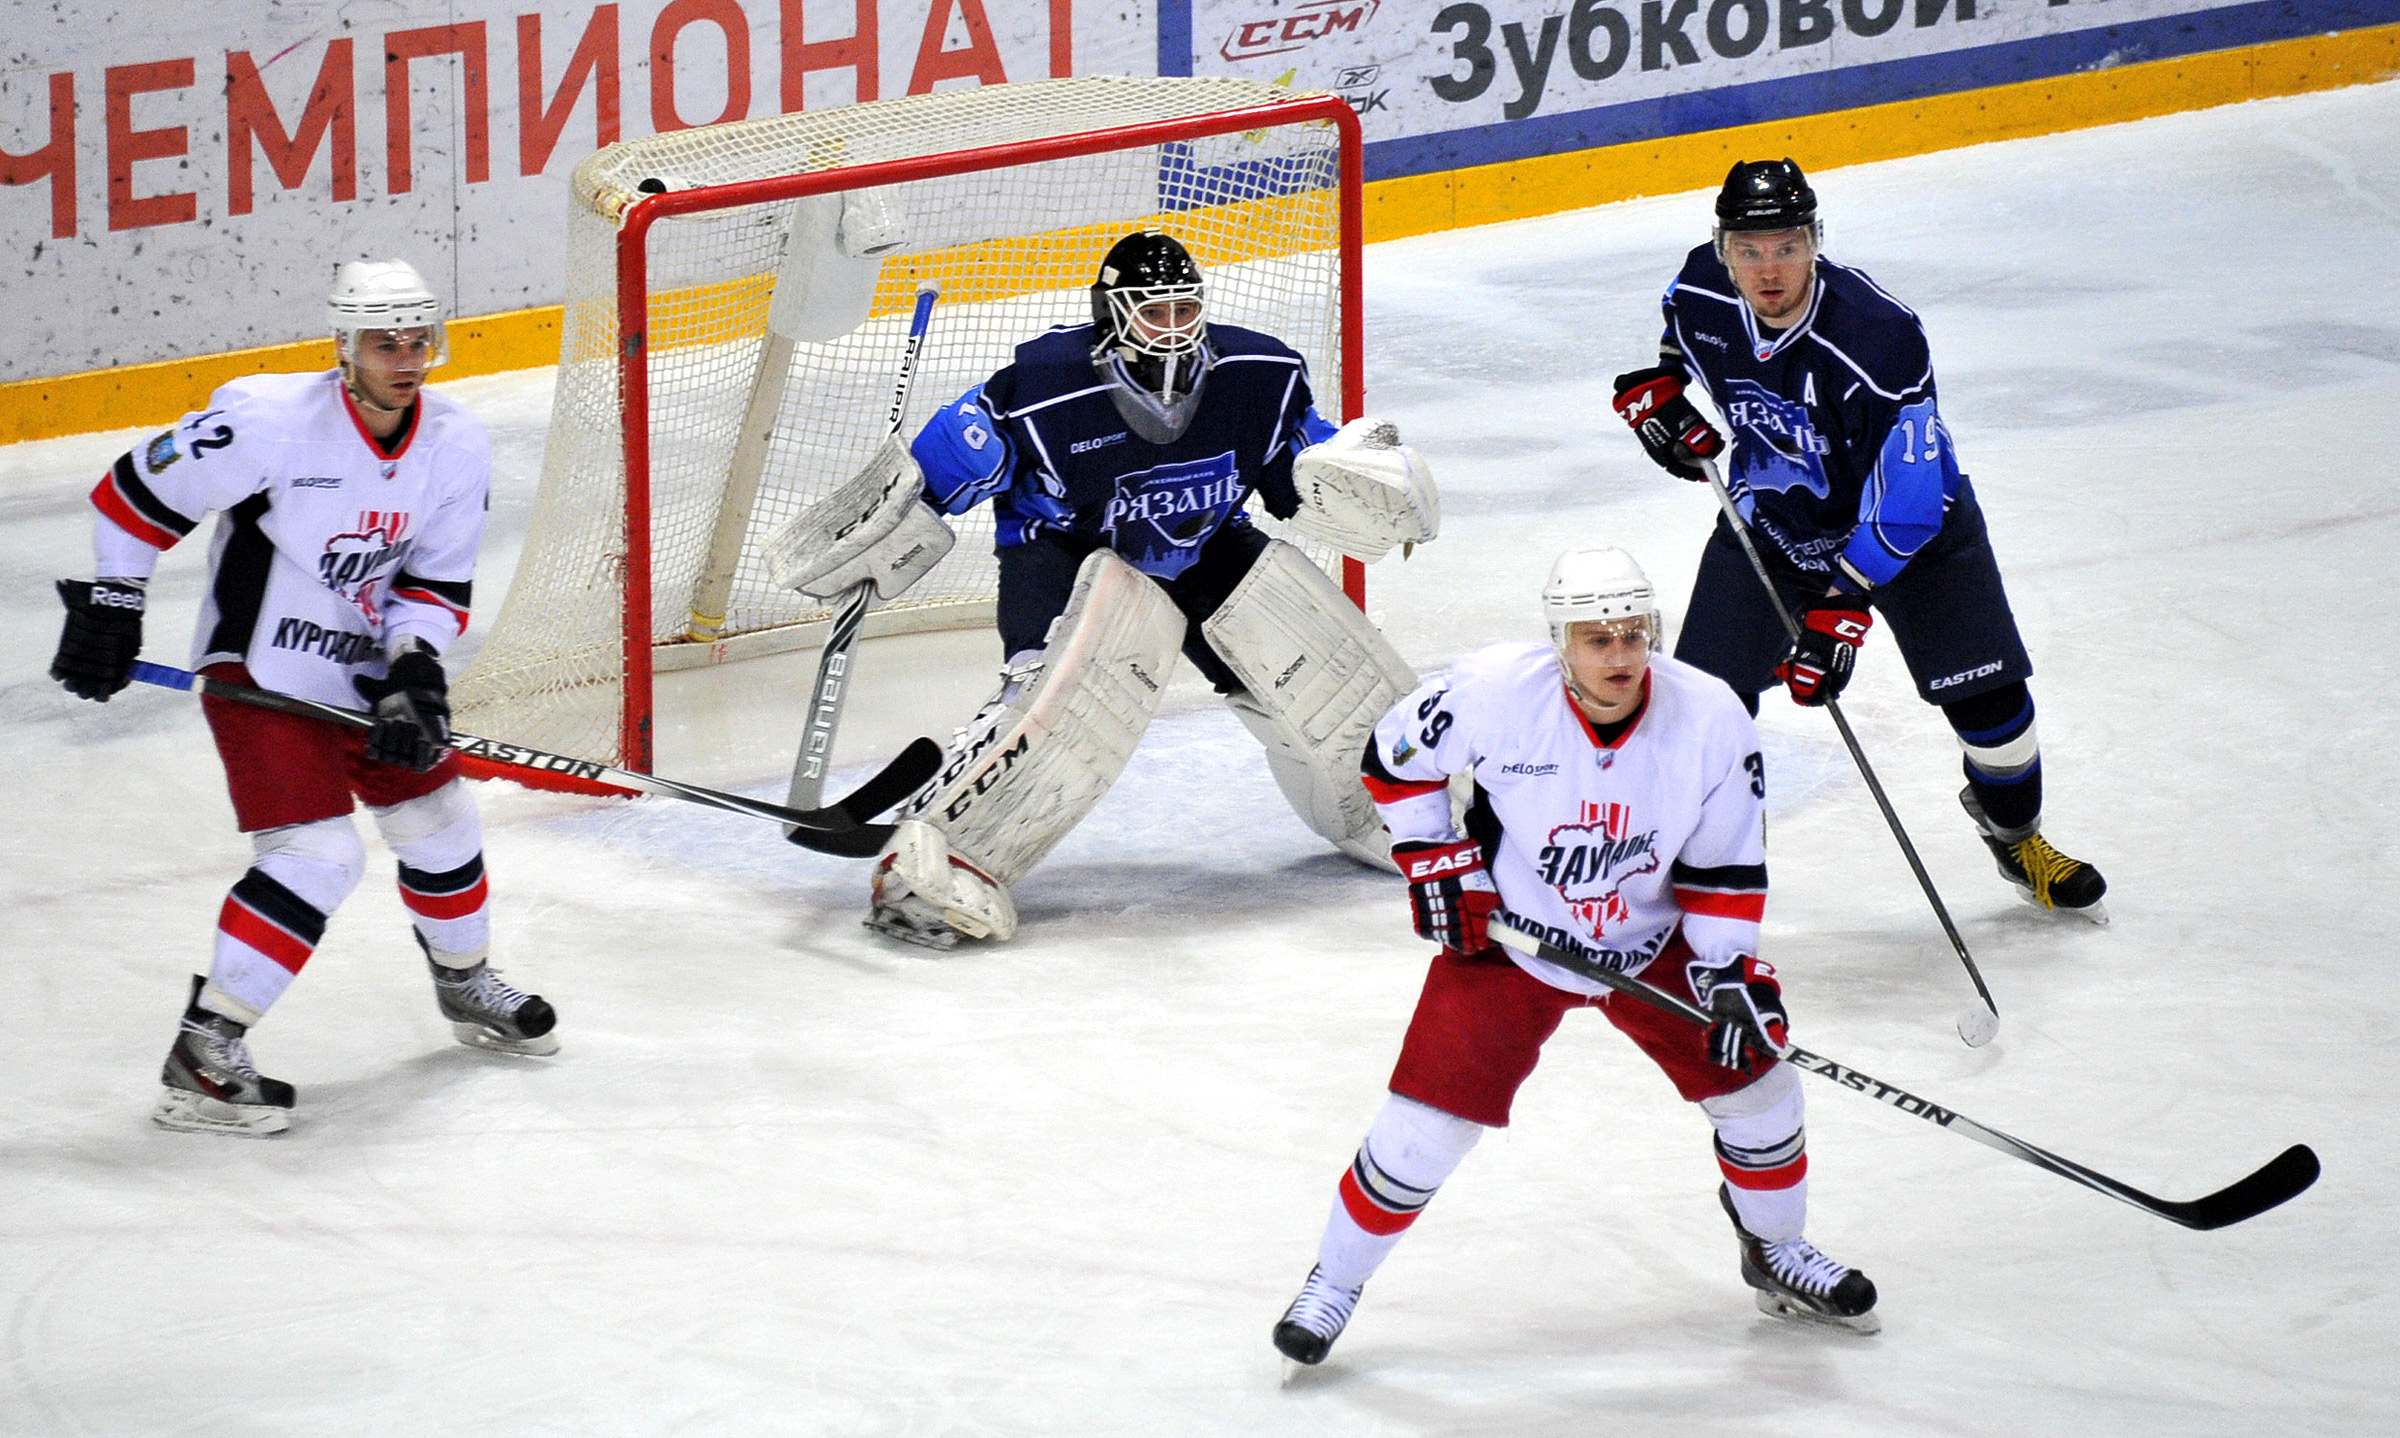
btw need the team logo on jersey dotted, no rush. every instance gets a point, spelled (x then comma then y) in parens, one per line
(1159, 518)
(1775, 445)
(1588, 862)
(162, 452)
(353, 562)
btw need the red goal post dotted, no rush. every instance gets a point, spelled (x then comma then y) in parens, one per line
(691, 403)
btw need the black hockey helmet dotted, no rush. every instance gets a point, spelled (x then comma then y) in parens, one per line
(1766, 195)
(1144, 268)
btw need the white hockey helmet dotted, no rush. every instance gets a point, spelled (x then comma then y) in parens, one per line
(382, 295)
(1598, 584)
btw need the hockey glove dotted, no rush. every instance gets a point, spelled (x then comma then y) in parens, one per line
(1450, 893)
(1747, 1004)
(412, 710)
(102, 638)
(1672, 432)
(1821, 659)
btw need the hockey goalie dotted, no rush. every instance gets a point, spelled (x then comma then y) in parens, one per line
(1117, 457)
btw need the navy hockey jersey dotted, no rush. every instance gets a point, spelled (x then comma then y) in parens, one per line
(1839, 456)
(1043, 441)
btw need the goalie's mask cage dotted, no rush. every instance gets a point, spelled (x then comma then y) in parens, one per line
(737, 301)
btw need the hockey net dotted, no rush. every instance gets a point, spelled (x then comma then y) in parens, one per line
(1007, 197)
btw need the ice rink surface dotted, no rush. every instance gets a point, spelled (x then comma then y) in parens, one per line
(786, 1177)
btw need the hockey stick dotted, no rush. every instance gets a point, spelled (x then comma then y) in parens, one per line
(838, 829)
(833, 662)
(1978, 1026)
(2284, 1176)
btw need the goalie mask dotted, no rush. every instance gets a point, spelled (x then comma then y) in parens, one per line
(1149, 308)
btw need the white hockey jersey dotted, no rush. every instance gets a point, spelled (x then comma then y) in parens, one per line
(1605, 849)
(326, 549)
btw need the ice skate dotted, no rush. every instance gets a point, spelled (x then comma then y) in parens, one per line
(485, 1013)
(210, 1085)
(1795, 1281)
(2042, 875)
(1307, 1329)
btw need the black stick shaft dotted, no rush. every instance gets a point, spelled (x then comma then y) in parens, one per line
(1858, 756)
(2282, 1178)
(828, 821)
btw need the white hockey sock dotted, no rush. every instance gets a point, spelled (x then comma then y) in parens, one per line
(438, 838)
(275, 916)
(1409, 1150)
(1762, 1149)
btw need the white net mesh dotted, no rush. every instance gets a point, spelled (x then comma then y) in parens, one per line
(1013, 248)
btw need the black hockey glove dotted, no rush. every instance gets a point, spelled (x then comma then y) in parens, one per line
(1819, 664)
(1748, 1006)
(1450, 893)
(1672, 432)
(102, 638)
(412, 710)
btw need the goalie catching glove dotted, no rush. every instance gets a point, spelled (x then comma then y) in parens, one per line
(1672, 432)
(1450, 893)
(1363, 491)
(875, 528)
(1747, 1005)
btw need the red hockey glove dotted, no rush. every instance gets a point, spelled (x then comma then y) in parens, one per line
(1821, 659)
(1450, 893)
(412, 710)
(1748, 1005)
(1672, 432)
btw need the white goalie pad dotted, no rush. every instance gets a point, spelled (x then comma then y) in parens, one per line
(833, 254)
(1029, 766)
(872, 528)
(1317, 677)
(1363, 491)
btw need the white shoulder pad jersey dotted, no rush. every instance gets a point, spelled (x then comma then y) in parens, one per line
(326, 549)
(1605, 849)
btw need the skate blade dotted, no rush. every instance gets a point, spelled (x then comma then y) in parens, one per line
(1775, 1305)
(937, 939)
(476, 1036)
(2094, 913)
(187, 1112)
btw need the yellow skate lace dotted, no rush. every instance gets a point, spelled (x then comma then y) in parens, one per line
(2043, 866)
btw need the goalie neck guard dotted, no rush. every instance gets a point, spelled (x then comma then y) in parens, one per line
(1150, 307)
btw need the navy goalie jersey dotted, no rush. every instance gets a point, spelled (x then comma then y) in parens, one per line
(1839, 456)
(1044, 442)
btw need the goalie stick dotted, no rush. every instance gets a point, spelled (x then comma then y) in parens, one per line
(1977, 1026)
(833, 663)
(836, 829)
(2282, 1178)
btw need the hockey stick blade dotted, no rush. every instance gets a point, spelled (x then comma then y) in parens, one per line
(828, 831)
(905, 775)
(2283, 1178)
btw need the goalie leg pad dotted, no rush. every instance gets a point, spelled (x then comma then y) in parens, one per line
(1034, 762)
(1316, 677)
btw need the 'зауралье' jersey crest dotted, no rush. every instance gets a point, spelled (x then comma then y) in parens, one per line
(1605, 850)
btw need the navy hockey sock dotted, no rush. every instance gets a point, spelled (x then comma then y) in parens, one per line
(2003, 760)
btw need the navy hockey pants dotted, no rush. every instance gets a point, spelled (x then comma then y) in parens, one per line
(1947, 611)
